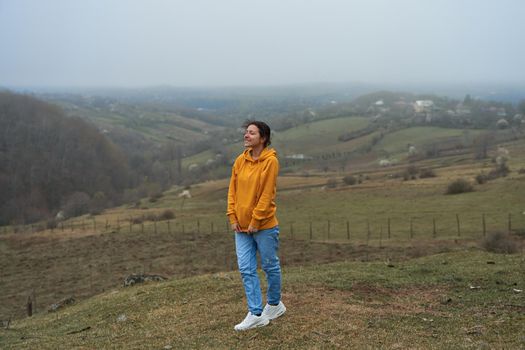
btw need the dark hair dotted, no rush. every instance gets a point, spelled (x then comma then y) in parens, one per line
(264, 130)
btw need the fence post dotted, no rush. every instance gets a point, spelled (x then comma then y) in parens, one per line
(459, 229)
(510, 223)
(367, 231)
(118, 224)
(291, 230)
(107, 224)
(381, 237)
(348, 230)
(142, 225)
(29, 306)
(198, 226)
(484, 225)
(328, 229)
(388, 221)
(411, 227)
(155, 225)
(434, 227)
(311, 230)
(94, 224)
(130, 224)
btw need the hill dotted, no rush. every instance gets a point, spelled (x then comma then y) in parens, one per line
(139, 126)
(46, 157)
(381, 217)
(469, 299)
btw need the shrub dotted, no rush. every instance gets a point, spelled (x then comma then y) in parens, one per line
(331, 183)
(167, 214)
(425, 173)
(501, 170)
(410, 173)
(459, 186)
(482, 178)
(349, 180)
(499, 242)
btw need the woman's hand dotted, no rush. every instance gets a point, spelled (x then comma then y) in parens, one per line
(252, 229)
(236, 227)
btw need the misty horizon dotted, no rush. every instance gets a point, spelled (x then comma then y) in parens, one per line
(121, 44)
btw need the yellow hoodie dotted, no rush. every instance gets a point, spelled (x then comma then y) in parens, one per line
(251, 195)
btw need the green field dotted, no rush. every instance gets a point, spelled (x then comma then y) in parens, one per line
(317, 137)
(395, 144)
(460, 300)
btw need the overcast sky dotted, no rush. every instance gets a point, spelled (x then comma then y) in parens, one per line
(265, 42)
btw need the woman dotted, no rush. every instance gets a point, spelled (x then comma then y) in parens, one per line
(251, 211)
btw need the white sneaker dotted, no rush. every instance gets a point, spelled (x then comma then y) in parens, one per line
(273, 311)
(252, 321)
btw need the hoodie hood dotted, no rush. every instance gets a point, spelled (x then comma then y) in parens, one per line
(265, 154)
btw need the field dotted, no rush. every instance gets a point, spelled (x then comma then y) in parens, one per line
(384, 285)
(460, 300)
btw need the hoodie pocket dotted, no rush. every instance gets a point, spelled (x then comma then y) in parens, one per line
(244, 215)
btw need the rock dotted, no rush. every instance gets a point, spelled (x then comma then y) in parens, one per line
(122, 318)
(141, 278)
(446, 300)
(476, 330)
(62, 303)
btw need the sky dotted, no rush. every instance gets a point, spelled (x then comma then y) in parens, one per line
(139, 43)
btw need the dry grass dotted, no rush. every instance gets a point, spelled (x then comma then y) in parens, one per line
(345, 305)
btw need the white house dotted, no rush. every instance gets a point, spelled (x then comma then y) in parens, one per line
(423, 106)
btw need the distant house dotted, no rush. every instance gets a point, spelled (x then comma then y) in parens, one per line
(378, 107)
(461, 110)
(299, 156)
(423, 106)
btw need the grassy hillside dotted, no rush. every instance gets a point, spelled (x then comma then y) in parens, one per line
(459, 300)
(395, 144)
(384, 217)
(316, 137)
(154, 125)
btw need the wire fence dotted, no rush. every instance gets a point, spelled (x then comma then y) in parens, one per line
(399, 226)
(187, 246)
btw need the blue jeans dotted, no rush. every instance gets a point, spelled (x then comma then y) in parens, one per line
(246, 247)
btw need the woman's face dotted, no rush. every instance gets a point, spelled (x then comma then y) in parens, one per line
(252, 137)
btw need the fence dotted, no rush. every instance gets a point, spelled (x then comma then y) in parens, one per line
(358, 227)
(188, 246)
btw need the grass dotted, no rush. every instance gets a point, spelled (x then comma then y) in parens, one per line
(358, 302)
(395, 144)
(452, 300)
(87, 261)
(316, 137)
